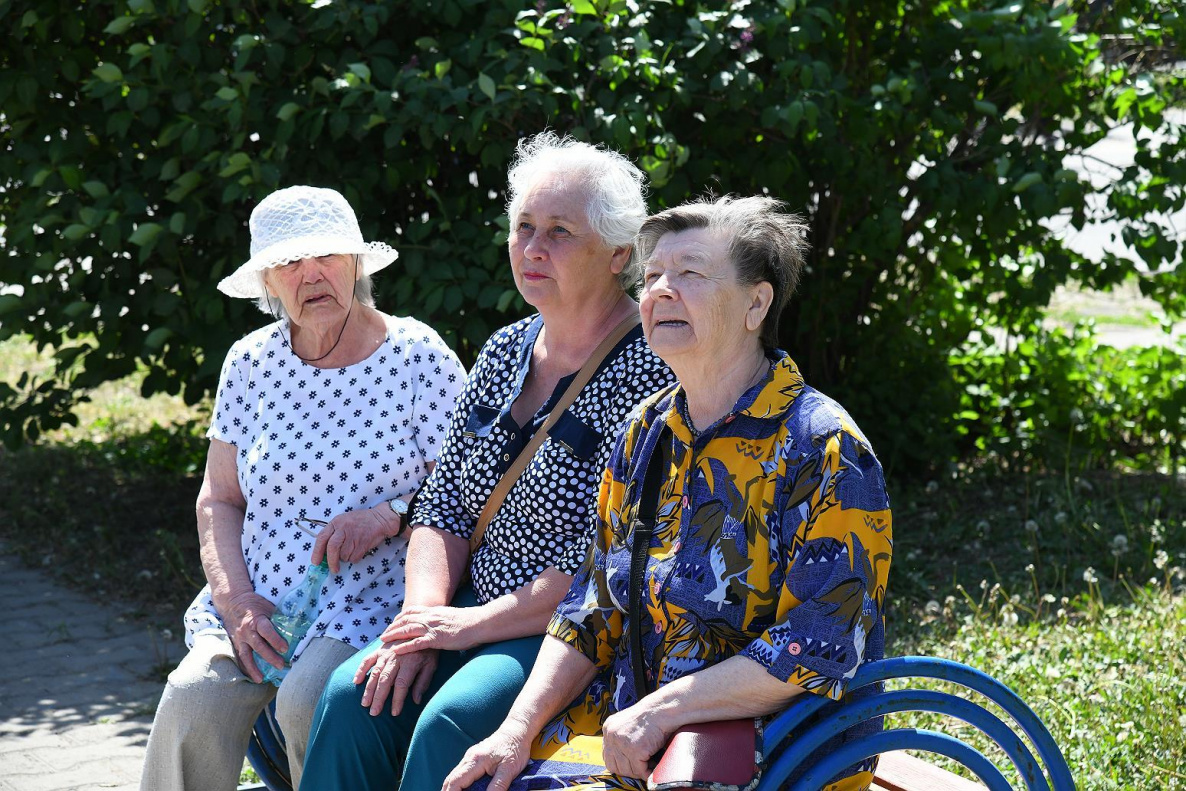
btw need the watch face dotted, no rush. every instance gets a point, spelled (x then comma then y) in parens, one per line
(399, 506)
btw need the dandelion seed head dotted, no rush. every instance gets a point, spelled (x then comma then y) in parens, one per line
(1089, 576)
(1031, 526)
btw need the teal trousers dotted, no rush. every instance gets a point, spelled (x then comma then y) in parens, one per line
(471, 693)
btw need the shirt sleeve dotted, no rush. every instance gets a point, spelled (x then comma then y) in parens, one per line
(837, 542)
(587, 619)
(440, 378)
(440, 503)
(229, 422)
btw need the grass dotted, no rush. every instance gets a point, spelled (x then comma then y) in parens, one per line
(1071, 590)
(113, 410)
(1067, 586)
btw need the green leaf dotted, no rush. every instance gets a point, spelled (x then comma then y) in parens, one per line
(9, 303)
(504, 302)
(288, 111)
(156, 339)
(442, 68)
(120, 25)
(985, 108)
(76, 231)
(361, 70)
(184, 184)
(77, 308)
(1027, 181)
(227, 93)
(108, 72)
(532, 42)
(198, 6)
(486, 85)
(235, 163)
(145, 233)
(583, 7)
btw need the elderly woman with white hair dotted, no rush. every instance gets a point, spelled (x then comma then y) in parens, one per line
(536, 423)
(326, 421)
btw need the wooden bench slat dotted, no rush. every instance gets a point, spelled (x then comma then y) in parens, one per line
(901, 771)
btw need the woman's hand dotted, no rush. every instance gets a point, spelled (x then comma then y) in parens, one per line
(441, 628)
(387, 673)
(502, 756)
(349, 536)
(631, 737)
(247, 619)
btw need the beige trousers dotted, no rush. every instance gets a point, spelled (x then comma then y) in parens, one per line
(204, 720)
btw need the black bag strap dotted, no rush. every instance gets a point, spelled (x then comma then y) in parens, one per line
(644, 528)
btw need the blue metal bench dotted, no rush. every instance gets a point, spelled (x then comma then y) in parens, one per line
(266, 753)
(811, 720)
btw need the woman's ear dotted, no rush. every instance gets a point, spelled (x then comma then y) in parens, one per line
(620, 259)
(761, 298)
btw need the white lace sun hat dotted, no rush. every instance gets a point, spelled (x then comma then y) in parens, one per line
(302, 222)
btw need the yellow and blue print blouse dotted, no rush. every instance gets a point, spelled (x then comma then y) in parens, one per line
(772, 540)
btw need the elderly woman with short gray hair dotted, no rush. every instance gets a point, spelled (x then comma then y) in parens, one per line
(453, 660)
(325, 422)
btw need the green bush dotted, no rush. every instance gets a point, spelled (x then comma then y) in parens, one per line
(1061, 397)
(925, 140)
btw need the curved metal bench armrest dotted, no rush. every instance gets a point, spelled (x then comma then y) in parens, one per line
(989, 687)
(841, 718)
(902, 739)
(943, 670)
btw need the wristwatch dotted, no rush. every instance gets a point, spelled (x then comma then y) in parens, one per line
(400, 509)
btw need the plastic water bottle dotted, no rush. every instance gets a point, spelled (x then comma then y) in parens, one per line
(295, 613)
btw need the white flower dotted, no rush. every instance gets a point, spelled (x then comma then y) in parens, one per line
(1008, 617)
(1048, 598)
(1029, 568)
(1161, 559)
(1089, 576)
(167, 634)
(1119, 545)
(933, 608)
(1031, 526)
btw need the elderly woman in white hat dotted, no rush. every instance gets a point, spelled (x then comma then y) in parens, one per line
(326, 421)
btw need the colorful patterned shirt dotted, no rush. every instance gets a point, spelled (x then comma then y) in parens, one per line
(773, 541)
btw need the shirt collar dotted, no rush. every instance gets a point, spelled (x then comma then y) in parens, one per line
(769, 399)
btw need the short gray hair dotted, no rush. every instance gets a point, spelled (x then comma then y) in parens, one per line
(364, 293)
(616, 204)
(766, 242)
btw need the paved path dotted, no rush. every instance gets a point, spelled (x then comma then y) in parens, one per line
(78, 687)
